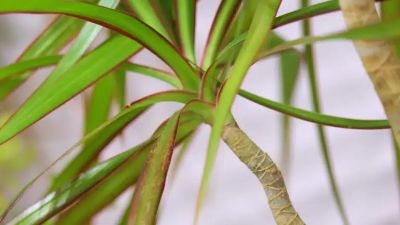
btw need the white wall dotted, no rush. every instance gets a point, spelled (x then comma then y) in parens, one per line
(363, 160)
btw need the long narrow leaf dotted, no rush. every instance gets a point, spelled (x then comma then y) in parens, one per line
(158, 74)
(147, 14)
(212, 79)
(56, 201)
(186, 19)
(19, 67)
(220, 25)
(289, 71)
(316, 117)
(114, 185)
(120, 87)
(116, 21)
(87, 35)
(102, 135)
(177, 96)
(391, 10)
(166, 12)
(90, 68)
(308, 12)
(154, 178)
(302, 114)
(106, 191)
(242, 21)
(259, 30)
(99, 104)
(380, 31)
(49, 42)
(323, 140)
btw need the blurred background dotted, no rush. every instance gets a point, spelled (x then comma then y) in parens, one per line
(363, 160)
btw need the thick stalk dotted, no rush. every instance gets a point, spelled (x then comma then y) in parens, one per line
(379, 59)
(265, 170)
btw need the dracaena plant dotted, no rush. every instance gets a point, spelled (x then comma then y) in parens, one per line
(242, 34)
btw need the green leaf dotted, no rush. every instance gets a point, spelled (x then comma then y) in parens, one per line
(204, 111)
(166, 12)
(87, 35)
(302, 114)
(103, 134)
(59, 200)
(307, 12)
(220, 25)
(241, 21)
(155, 174)
(259, 29)
(50, 41)
(16, 69)
(184, 148)
(186, 20)
(323, 140)
(119, 22)
(213, 79)
(125, 217)
(90, 68)
(310, 11)
(98, 107)
(99, 137)
(113, 186)
(105, 192)
(120, 87)
(314, 117)
(145, 11)
(390, 10)
(289, 71)
(62, 198)
(379, 31)
(99, 104)
(151, 72)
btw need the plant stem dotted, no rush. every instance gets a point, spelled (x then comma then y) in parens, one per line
(266, 171)
(379, 59)
(309, 57)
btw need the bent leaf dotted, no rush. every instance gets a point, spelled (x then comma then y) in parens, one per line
(316, 117)
(49, 42)
(90, 68)
(145, 11)
(119, 22)
(62, 198)
(219, 27)
(186, 19)
(155, 174)
(259, 29)
(87, 35)
(15, 69)
(307, 12)
(151, 72)
(103, 134)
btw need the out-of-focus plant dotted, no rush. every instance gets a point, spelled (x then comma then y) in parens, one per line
(241, 35)
(15, 158)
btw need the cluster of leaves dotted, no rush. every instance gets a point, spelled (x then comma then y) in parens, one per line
(242, 34)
